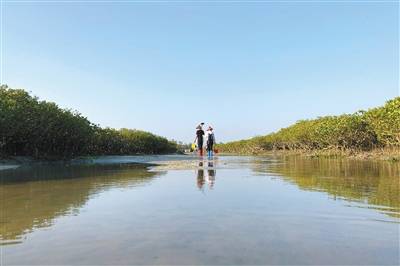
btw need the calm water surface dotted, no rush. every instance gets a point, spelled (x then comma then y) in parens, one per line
(230, 210)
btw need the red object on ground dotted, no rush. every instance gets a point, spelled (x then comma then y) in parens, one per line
(201, 151)
(215, 150)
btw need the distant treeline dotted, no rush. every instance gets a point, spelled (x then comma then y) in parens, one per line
(30, 127)
(362, 131)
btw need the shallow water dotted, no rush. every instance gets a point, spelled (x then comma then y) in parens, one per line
(229, 210)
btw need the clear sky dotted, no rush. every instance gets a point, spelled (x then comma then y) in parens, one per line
(246, 68)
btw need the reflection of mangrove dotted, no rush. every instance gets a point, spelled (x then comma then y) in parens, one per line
(377, 183)
(206, 176)
(49, 171)
(57, 191)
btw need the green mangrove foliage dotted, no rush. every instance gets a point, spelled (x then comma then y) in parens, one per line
(129, 141)
(30, 127)
(364, 130)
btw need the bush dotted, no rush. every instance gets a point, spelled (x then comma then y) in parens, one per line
(378, 127)
(29, 127)
(385, 121)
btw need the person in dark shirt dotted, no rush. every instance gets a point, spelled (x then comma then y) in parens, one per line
(199, 138)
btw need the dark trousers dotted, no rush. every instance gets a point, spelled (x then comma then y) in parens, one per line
(210, 145)
(200, 147)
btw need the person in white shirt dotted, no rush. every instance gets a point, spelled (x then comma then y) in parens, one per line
(210, 141)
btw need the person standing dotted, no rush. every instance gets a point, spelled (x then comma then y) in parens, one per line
(199, 138)
(210, 141)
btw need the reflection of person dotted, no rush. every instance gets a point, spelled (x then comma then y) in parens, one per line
(211, 178)
(199, 138)
(210, 141)
(200, 178)
(207, 175)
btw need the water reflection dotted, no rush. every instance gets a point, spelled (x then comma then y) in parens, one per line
(210, 178)
(372, 184)
(206, 175)
(260, 213)
(200, 178)
(33, 196)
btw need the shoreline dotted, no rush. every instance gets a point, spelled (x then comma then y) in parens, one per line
(148, 160)
(386, 154)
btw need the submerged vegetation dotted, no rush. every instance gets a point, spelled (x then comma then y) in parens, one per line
(363, 131)
(41, 129)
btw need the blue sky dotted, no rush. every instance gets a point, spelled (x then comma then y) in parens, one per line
(246, 68)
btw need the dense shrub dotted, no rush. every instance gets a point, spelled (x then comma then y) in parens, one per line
(363, 130)
(43, 130)
(385, 121)
(130, 141)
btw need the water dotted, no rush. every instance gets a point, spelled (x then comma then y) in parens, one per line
(231, 210)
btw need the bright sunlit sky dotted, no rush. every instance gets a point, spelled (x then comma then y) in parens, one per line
(246, 68)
